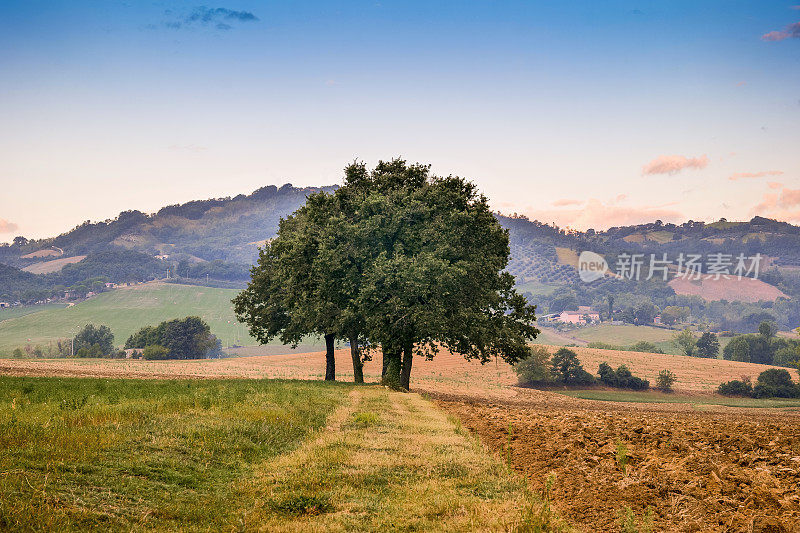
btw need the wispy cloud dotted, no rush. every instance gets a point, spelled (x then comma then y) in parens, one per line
(7, 227)
(792, 31)
(672, 164)
(220, 18)
(763, 174)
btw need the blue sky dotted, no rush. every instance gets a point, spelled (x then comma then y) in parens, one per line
(586, 114)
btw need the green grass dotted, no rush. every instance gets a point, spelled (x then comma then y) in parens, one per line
(111, 455)
(658, 397)
(126, 310)
(79, 454)
(14, 312)
(536, 288)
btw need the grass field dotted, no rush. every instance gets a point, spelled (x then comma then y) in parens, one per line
(95, 454)
(14, 312)
(125, 310)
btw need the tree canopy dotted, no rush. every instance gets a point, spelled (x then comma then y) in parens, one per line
(396, 258)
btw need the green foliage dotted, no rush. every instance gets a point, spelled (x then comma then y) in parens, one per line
(399, 258)
(94, 341)
(535, 368)
(188, 338)
(644, 346)
(665, 380)
(567, 368)
(735, 388)
(155, 352)
(685, 342)
(775, 383)
(707, 345)
(772, 383)
(764, 349)
(621, 378)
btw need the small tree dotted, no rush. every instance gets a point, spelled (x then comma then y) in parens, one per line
(92, 335)
(685, 342)
(567, 368)
(155, 352)
(708, 345)
(535, 368)
(665, 380)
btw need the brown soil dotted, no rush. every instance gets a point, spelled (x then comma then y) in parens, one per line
(734, 470)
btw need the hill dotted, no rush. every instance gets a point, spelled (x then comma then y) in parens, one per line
(125, 310)
(217, 240)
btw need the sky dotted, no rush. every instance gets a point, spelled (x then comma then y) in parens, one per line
(586, 114)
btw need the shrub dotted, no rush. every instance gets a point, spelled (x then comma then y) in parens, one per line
(735, 388)
(155, 352)
(567, 368)
(646, 347)
(535, 368)
(621, 378)
(665, 380)
(775, 383)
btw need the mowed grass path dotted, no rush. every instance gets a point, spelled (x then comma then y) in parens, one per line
(125, 310)
(93, 454)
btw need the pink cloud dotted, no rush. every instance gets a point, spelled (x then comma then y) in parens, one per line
(564, 202)
(7, 227)
(792, 31)
(774, 185)
(781, 206)
(762, 174)
(601, 215)
(672, 164)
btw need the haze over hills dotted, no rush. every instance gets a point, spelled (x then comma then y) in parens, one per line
(215, 241)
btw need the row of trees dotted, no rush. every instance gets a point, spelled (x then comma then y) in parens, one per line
(764, 347)
(397, 259)
(772, 383)
(564, 368)
(188, 338)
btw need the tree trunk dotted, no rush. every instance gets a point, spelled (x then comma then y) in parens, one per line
(405, 375)
(358, 365)
(392, 363)
(330, 361)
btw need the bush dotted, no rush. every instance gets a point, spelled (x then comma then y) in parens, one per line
(535, 368)
(155, 352)
(775, 383)
(621, 378)
(665, 380)
(735, 388)
(567, 368)
(644, 346)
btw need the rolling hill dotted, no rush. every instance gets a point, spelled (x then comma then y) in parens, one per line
(215, 241)
(125, 310)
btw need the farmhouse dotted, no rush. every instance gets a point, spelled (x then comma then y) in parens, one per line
(583, 315)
